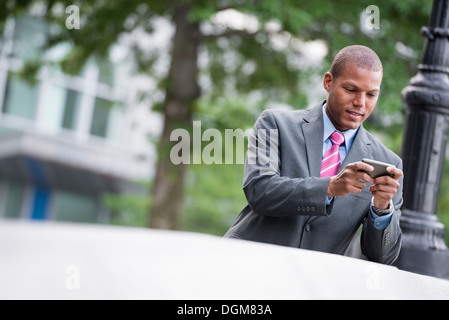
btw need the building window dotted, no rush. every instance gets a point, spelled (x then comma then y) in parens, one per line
(61, 109)
(20, 97)
(29, 37)
(14, 200)
(100, 118)
(72, 103)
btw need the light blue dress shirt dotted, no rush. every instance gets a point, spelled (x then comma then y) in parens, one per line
(379, 222)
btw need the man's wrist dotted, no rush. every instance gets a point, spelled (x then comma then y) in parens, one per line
(381, 212)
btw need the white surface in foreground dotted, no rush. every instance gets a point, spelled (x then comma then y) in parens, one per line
(76, 261)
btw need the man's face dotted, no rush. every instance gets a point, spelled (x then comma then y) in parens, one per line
(352, 96)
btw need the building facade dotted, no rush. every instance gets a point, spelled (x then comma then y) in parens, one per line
(67, 140)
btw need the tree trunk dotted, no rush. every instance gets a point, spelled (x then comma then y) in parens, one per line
(182, 90)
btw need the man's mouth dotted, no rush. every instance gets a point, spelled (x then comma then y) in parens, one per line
(355, 114)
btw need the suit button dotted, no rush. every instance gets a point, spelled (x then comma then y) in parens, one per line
(387, 239)
(308, 227)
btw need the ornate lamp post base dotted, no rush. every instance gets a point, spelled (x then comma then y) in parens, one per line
(426, 99)
(423, 248)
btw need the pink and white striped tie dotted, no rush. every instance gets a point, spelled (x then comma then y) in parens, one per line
(331, 160)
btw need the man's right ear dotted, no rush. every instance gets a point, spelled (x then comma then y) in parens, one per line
(327, 81)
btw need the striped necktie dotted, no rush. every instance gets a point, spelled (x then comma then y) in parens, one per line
(331, 160)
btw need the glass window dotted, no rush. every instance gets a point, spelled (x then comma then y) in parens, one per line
(29, 37)
(106, 72)
(64, 105)
(53, 108)
(14, 200)
(71, 109)
(74, 207)
(20, 97)
(100, 119)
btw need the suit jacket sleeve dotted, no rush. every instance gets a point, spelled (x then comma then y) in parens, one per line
(383, 246)
(268, 192)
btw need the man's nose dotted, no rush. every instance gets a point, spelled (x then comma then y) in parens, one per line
(359, 100)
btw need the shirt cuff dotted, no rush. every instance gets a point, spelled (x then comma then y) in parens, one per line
(381, 222)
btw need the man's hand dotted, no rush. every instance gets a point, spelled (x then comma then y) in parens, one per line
(384, 188)
(350, 180)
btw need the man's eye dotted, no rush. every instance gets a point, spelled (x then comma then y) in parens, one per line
(349, 90)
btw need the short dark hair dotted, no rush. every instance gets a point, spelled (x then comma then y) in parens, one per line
(361, 56)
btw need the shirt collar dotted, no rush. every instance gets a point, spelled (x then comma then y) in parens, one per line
(329, 128)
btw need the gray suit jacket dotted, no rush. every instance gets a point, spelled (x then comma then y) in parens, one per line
(286, 197)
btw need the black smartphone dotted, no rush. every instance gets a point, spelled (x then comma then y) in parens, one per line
(380, 168)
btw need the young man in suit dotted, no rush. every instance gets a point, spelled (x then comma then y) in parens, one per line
(304, 180)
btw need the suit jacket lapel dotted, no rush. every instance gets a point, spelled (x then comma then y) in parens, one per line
(313, 137)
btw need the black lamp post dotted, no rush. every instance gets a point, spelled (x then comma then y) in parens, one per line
(426, 99)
